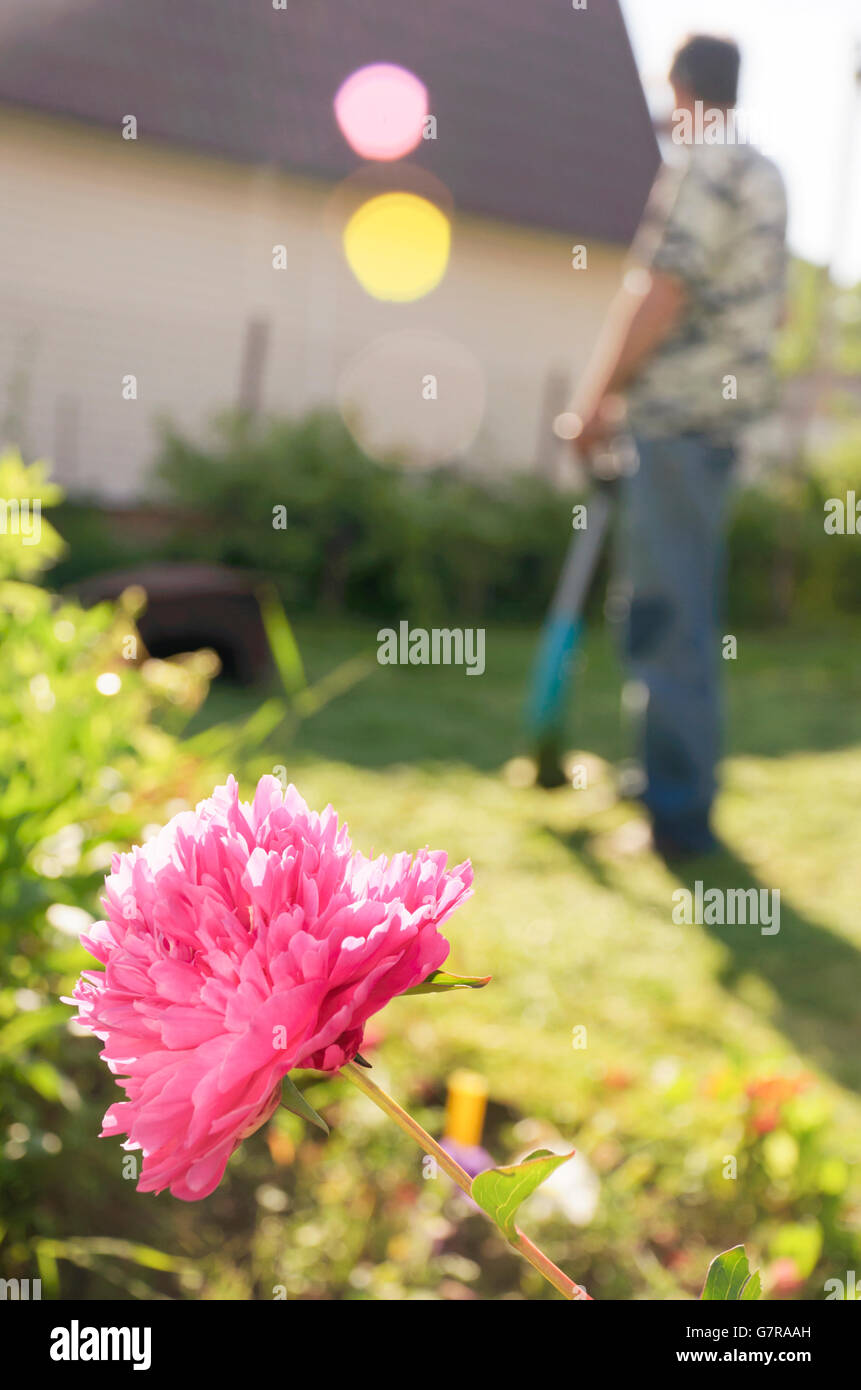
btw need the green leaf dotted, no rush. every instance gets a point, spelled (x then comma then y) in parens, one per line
(440, 982)
(80, 1250)
(26, 1027)
(753, 1287)
(230, 736)
(285, 651)
(729, 1277)
(293, 1099)
(501, 1191)
(44, 1079)
(336, 682)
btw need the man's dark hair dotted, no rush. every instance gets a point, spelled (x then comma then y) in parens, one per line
(708, 68)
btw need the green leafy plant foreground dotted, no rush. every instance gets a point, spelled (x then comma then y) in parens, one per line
(502, 1191)
(107, 766)
(729, 1277)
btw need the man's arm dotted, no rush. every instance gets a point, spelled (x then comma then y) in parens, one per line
(644, 312)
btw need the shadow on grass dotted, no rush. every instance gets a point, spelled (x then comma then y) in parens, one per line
(789, 691)
(814, 973)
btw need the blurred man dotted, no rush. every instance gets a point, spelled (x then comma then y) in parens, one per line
(688, 345)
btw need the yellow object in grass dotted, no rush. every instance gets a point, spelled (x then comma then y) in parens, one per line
(465, 1107)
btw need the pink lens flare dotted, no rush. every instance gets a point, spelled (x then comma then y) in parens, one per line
(381, 110)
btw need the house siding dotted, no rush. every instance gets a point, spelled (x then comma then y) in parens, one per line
(121, 257)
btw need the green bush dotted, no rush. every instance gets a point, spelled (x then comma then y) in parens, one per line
(362, 536)
(375, 539)
(378, 541)
(88, 757)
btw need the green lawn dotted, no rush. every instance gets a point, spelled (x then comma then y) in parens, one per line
(681, 1021)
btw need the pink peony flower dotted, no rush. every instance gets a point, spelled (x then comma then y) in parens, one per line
(241, 942)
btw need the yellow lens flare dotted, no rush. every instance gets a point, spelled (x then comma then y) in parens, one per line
(397, 246)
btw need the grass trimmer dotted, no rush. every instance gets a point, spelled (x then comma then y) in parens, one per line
(563, 628)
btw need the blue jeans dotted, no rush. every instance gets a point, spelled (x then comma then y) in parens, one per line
(671, 562)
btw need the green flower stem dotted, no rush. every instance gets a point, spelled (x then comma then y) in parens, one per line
(522, 1244)
(552, 1273)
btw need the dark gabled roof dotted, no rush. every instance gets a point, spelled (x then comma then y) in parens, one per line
(541, 116)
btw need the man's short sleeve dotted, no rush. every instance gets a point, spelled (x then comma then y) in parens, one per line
(689, 226)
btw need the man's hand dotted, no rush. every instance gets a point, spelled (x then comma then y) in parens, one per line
(599, 422)
(643, 314)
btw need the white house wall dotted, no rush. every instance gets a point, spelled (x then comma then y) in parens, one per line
(122, 257)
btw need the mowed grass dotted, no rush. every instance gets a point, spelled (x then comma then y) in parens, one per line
(576, 936)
